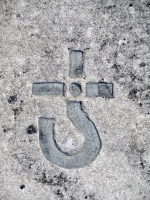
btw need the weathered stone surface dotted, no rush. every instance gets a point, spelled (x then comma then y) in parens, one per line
(50, 148)
(76, 64)
(35, 37)
(100, 89)
(54, 89)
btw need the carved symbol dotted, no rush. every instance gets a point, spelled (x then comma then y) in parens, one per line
(76, 115)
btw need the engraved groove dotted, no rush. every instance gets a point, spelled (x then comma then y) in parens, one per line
(83, 124)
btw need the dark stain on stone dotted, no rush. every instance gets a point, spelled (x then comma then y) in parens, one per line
(31, 129)
(142, 64)
(103, 44)
(148, 87)
(148, 4)
(133, 56)
(61, 179)
(133, 77)
(44, 180)
(30, 140)
(148, 28)
(48, 52)
(110, 7)
(22, 140)
(25, 70)
(142, 163)
(72, 40)
(132, 94)
(17, 111)
(141, 151)
(86, 49)
(117, 67)
(6, 129)
(59, 193)
(147, 95)
(65, 189)
(57, 180)
(30, 165)
(22, 187)
(12, 99)
(90, 196)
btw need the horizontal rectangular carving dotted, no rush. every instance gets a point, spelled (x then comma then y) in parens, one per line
(49, 88)
(100, 89)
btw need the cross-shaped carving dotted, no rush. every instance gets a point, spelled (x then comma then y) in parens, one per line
(75, 113)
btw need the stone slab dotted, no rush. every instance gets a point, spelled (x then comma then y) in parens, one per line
(35, 38)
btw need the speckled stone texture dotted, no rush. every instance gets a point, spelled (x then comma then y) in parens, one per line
(114, 38)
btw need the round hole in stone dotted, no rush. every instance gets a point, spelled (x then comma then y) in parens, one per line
(75, 89)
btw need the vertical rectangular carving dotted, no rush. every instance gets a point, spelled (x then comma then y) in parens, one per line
(76, 64)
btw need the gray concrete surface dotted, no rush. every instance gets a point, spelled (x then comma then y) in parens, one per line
(35, 38)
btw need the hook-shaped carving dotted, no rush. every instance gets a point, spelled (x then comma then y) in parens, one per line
(83, 124)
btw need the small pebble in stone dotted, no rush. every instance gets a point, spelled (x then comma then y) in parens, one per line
(22, 187)
(12, 99)
(75, 89)
(31, 129)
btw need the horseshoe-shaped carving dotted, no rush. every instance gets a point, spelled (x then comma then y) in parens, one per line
(92, 140)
